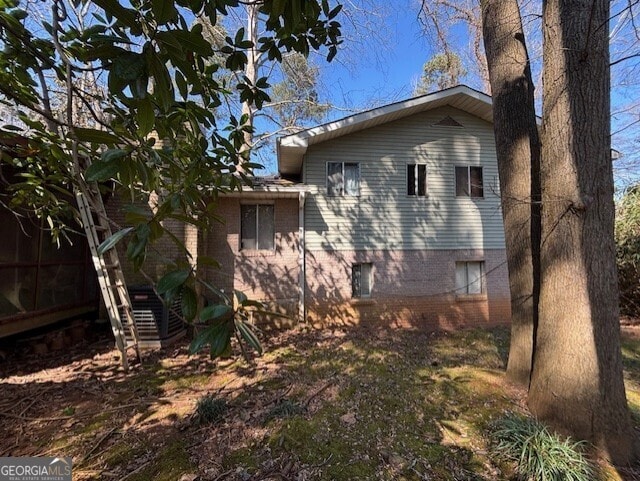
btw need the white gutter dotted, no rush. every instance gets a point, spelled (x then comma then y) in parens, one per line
(301, 259)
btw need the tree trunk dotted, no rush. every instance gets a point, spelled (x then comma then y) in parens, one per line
(251, 72)
(577, 384)
(518, 154)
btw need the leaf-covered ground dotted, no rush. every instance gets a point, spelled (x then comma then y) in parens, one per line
(344, 404)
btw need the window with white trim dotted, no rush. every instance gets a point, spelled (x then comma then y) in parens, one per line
(256, 227)
(361, 280)
(470, 277)
(469, 181)
(417, 180)
(343, 178)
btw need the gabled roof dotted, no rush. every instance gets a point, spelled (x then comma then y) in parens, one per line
(292, 148)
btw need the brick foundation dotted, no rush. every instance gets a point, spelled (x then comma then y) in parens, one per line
(410, 289)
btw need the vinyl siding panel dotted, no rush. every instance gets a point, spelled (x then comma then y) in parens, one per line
(383, 216)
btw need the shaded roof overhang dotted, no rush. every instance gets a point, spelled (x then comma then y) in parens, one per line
(269, 188)
(292, 148)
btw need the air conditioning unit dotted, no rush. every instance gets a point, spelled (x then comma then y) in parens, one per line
(158, 325)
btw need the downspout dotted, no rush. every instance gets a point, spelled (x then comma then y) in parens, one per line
(301, 257)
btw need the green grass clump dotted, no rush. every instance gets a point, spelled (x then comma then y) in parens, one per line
(285, 408)
(211, 409)
(171, 464)
(539, 454)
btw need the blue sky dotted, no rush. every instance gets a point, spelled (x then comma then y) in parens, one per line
(384, 66)
(379, 62)
(384, 52)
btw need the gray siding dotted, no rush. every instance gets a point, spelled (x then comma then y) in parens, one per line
(383, 216)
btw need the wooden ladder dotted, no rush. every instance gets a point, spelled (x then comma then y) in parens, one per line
(107, 265)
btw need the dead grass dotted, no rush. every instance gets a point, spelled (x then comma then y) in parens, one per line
(354, 404)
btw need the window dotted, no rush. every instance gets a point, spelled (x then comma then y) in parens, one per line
(470, 277)
(361, 280)
(469, 182)
(256, 227)
(343, 178)
(417, 179)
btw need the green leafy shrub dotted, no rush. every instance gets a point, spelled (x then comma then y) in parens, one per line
(232, 316)
(211, 409)
(539, 454)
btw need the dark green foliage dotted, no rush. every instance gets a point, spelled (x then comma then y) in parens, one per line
(211, 409)
(136, 94)
(229, 317)
(139, 49)
(539, 454)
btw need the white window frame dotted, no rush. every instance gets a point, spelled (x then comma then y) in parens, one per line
(366, 269)
(416, 169)
(463, 287)
(455, 180)
(257, 206)
(342, 192)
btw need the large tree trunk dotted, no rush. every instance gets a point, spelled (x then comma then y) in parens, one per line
(577, 384)
(518, 153)
(251, 73)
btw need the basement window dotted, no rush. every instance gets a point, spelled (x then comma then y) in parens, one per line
(470, 278)
(361, 280)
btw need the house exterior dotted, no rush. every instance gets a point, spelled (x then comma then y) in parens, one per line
(392, 215)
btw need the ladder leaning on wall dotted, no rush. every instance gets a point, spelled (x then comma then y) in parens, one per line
(109, 270)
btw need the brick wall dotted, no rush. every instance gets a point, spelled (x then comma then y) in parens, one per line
(270, 276)
(410, 289)
(159, 253)
(413, 289)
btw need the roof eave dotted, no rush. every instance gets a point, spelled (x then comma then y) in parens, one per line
(290, 155)
(292, 148)
(268, 191)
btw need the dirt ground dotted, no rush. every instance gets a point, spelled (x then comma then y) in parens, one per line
(341, 404)
(145, 425)
(80, 403)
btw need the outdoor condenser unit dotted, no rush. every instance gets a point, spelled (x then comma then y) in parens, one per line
(157, 324)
